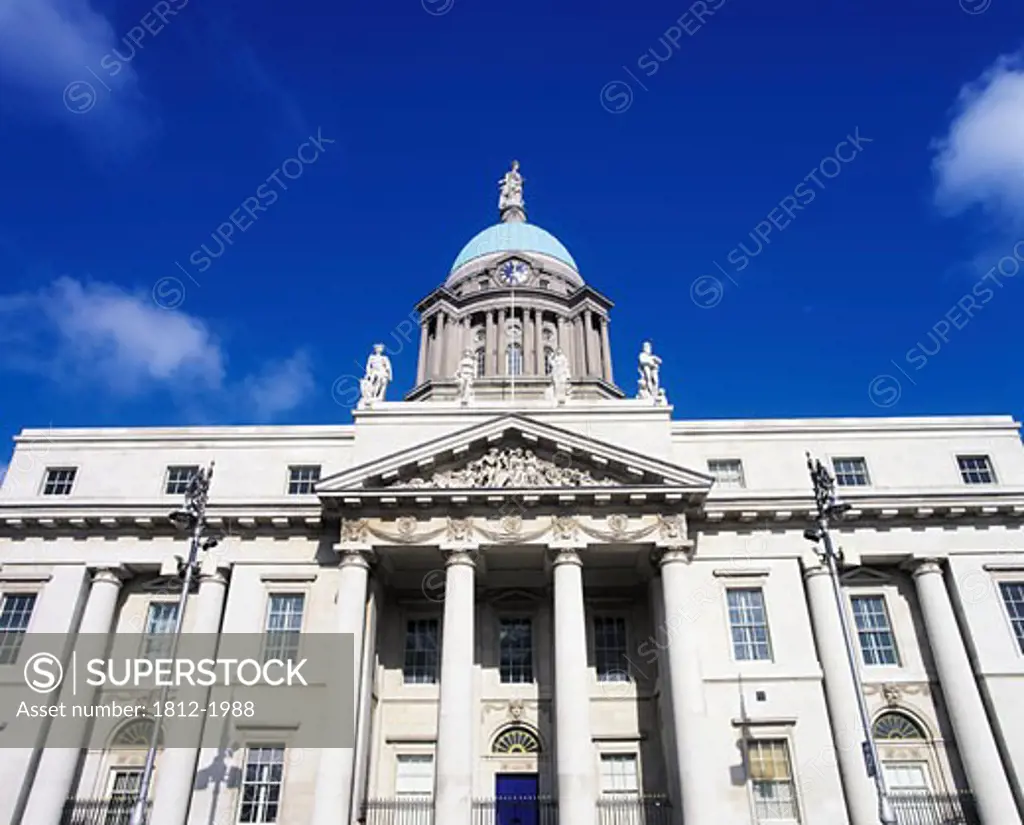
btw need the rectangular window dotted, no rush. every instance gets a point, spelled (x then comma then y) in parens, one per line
(178, 478)
(59, 481)
(414, 775)
(851, 472)
(906, 776)
(771, 781)
(619, 773)
(124, 790)
(15, 613)
(748, 623)
(877, 644)
(158, 637)
(261, 784)
(284, 626)
(1013, 598)
(727, 472)
(976, 469)
(610, 649)
(302, 479)
(419, 666)
(515, 648)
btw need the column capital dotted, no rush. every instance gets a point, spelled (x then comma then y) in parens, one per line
(110, 574)
(565, 555)
(455, 555)
(663, 556)
(921, 567)
(354, 556)
(816, 568)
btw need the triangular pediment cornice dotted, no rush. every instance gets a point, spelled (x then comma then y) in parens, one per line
(512, 455)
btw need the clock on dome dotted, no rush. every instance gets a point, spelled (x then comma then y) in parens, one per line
(514, 272)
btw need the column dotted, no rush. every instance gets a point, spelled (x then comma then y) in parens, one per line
(502, 341)
(332, 800)
(573, 744)
(58, 766)
(563, 342)
(974, 737)
(538, 341)
(453, 784)
(442, 345)
(689, 708)
(490, 343)
(578, 350)
(364, 720)
(841, 697)
(591, 364)
(529, 342)
(176, 767)
(606, 351)
(421, 364)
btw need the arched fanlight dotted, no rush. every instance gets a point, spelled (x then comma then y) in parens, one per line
(897, 726)
(516, 740)
(134, 734)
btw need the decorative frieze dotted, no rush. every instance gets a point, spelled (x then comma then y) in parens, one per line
(512, 467)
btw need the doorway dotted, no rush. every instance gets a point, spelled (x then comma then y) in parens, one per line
(515, 799)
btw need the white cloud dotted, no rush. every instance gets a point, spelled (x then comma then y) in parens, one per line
(92, 336)
(980, 161)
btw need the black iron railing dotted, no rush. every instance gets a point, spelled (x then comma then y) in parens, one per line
(926, 808)
(97, 811)
(520, 810)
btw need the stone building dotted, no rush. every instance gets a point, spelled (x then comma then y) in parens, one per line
(570, 606)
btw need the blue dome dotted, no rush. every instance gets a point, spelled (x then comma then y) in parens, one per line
(514, 237)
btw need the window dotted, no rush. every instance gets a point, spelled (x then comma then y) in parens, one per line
(748, 623)
(178, 479)
(976, 469)
(851, 472)
(284, 626)
(549, 353)
(414, 775)
(515, 648)
(906, 776)
(877, 645)
(15, 612)
(619, 773)
(514, 359)
(544, 284)
(159, 633)
(481, 361)
(610, 649)
(124, 791)
(896, 726)
(727, 472)
(421, 652)
(516, 740)
(261, 784)
(771, 780)
(59, 481)
(302, 479)
(1013, 598)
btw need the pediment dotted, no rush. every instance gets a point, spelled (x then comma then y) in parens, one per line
(514, 454)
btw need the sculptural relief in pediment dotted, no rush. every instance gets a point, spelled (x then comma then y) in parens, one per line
(512, 467)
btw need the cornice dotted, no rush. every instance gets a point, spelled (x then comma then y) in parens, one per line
(809, 427)
(222, 435)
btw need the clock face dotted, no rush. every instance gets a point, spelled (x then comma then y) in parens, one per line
(514, 273)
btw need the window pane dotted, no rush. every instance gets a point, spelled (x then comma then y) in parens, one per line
(905, 776)
(59, 481)
(850, 472)
(727, 472)
(420, 663)
(610, 649)
(515, 644)
(619, 773)
(749, 624)
(284, 626)
(15, 613)
(772, 781)
(1013, 599)
(302, 479)
(159, 635)
(261, 784)
(414, 775)
(178, 479)
(877, 644)
(976, 469)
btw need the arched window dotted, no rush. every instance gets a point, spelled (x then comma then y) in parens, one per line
(897, 726)
(516, 740)
(514, 359)
(548, 355)
(134, 734)
(481, 361)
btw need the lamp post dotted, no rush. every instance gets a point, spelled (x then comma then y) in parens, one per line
(829, 508)
(193, 518)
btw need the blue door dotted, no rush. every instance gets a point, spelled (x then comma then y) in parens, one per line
(515, 799)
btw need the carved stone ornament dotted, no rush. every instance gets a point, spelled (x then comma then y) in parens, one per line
(510, 467)
(564, 528)
(672, 528)
(406, 526)
(618, 524)
(515, 709)
(459, 529)
(354, 531)
(892, 694)
(512, 524)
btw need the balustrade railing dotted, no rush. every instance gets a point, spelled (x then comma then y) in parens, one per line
(97, 811)
(926, 808)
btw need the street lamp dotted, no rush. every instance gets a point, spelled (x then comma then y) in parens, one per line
(827, 509)
(193, 518)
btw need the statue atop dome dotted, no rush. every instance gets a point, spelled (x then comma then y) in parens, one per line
(510, 202)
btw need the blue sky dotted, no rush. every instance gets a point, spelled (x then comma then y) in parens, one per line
(800, 204)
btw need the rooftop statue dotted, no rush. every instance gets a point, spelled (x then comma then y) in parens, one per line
(374, 384)
(510, 202)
